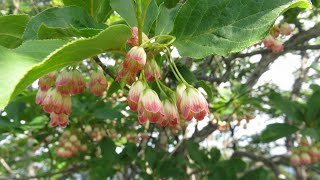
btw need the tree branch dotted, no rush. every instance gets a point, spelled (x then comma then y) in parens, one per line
(104, 67)
(267, 59)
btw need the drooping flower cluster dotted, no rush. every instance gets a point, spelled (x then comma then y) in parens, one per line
(141, 98)
(272, 40)
(305, 153)
(189, 101)
(55, 90)
(70, 145)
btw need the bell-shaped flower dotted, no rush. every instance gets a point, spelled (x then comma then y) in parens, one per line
(53, 101)
(70, 82)
(133, 41)
(275, 31)
(285, 29)
(295, 160)
(135, 59)
(269, 41)
(277, 47)
(134, 94)
(61, 120)
(179, 91)
(98, 82)
(305, 158)
(152, 70)
(40, 96)
(149, 107)
(171, 113)
(193, 104)
(47, 81)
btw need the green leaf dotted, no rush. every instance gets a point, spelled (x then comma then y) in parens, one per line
(66, 17)
(293, 110)
(46, 32)
(37, 123)
(313, 109)
(171, 3)
(103, 167)
(107, 112)
(131, 150)
(186, 73)
(12, 28)
(223, 27)
(114, 87)
(151, 16)
(165, 19)
(276, 131)
(100, 10)
(196, 154)
(257, 174)
(313, 133)
(126, 9)
(25, 64)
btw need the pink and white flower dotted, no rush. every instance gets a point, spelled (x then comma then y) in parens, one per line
(135, 59)
(61, 120)
(277, 47)
(286, 29)
(47, 81)
(171, 113)
(295, 160)
(269, 41)
(133, 41)
(149, 107)
(305, 158)
(134, 94)
(152, 70)
(70, 82)
(57, 103)
(98, 82)
(193, 104)
(40, 96)
(179, 91)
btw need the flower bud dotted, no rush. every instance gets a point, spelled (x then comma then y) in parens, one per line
(87, 129)
(277, 47)
(73, 138)
(133, 41)
(98, 82)
(305, 158)
(152, 70)
(275, 31)
(47, 81)
(269, 41)
(53, 101)
(149, 107)
(193, 104)
(171, 112)
(59, 119)
(40, 96)
(179, 91)
(135, 59)
(295, 160)
(285, 29)
(134, 94)
(70, 82)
